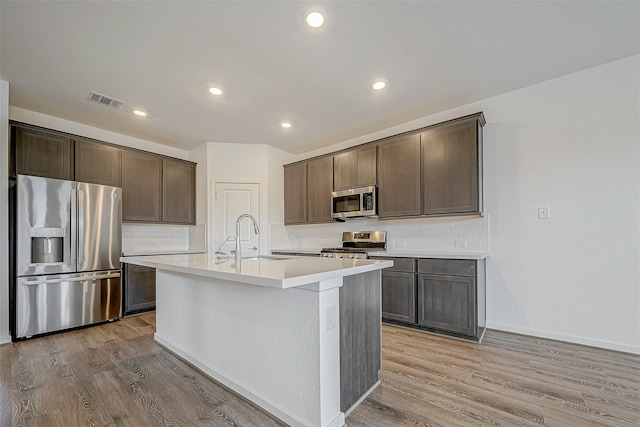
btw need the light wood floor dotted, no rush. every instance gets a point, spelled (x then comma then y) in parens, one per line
(115, 375)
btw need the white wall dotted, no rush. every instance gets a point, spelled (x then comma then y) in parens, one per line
(571, 143)
(199, 155)
(4, 213)
(256, 163)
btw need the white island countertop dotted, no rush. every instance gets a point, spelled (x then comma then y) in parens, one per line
(270, 271)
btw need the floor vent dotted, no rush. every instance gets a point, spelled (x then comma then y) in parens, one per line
(105, 100)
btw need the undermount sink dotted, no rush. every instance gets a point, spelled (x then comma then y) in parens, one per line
(265, 258)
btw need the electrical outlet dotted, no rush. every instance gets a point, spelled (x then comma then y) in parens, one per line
(330, 321)
(460, 244)
(401, 243)
(544, 212)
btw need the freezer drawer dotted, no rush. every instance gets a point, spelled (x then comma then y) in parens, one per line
(54, 303)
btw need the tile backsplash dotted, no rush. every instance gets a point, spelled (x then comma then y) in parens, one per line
(460, 234)
(151, 238)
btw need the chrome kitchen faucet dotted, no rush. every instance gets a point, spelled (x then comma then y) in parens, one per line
(255, 229)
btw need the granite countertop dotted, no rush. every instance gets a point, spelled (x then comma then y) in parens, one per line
(272, 271)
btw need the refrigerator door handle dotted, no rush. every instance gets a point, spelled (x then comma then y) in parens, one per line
(74, 220)
(80, 227)
(33, 282)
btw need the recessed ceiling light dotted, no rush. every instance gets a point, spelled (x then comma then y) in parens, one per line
(378, 85)
(314, 18)
(139, 113)
(215, 91)
(286, 125)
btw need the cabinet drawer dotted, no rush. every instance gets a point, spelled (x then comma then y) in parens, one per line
(453, 267)
(401, 264)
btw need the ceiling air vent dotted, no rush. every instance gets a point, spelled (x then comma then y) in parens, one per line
(105, 100)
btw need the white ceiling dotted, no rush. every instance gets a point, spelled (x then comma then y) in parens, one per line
(163, 56)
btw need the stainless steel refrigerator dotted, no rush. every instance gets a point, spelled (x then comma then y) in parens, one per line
(68, 244)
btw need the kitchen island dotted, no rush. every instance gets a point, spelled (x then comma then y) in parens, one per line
(299, 337)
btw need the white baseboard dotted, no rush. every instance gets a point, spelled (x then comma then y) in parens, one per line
(608, 345)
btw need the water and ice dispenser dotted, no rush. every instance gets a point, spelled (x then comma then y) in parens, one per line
(47, 245)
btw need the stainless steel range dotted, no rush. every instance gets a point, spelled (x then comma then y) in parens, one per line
(357, 245)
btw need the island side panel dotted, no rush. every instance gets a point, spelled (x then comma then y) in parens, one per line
(272, 346)
(360, 336)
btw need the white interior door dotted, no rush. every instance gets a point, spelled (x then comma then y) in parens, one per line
(233, 199)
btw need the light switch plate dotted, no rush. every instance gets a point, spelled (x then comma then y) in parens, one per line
(543, 212)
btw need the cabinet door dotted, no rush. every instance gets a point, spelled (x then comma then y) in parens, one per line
(98, 163)
(355, 168)
(399, 177)
(450, 169)
(140, 289)
(319, 188)
(178, 191)
(344, 171)
(295, 194)
(43, 154)
(366, 165)
(399, 296)
(447, 303)
(141, 186)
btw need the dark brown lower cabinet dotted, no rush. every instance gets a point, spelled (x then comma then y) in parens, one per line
(399, 296)
(139, 289)
(447, 303)
(441, 295)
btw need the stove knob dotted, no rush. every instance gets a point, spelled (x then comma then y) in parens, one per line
(339, 255)
(353, 256)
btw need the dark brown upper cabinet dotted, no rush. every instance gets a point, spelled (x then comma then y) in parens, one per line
(307, 191)
(399, 176)
(295, 193)
(141, 186)
(451, 179)
(178, 191)
(355, 168)
(42, 154)
(435, 170)
(319, 188)
(98, 163)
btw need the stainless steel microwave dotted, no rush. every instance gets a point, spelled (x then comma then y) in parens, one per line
(355, 202)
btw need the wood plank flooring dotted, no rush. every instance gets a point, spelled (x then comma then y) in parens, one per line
(115, 375)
